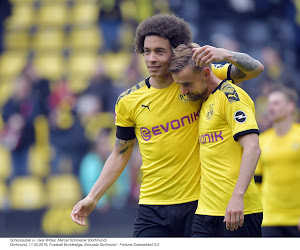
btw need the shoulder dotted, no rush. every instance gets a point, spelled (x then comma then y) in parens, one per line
(134, 92)
(229, 91)
(295, 131)
(233, 93)
(296, 126)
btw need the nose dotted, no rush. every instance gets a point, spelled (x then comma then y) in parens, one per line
(184, 91)
(151, 57)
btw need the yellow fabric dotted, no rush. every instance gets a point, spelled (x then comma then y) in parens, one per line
(279, 166)
(220, 153)
(166, 128)
(220, 70)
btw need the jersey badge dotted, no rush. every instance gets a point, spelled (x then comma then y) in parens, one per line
(240, 116)
(210, 112)
(183, 98)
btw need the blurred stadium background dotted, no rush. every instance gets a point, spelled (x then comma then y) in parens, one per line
(62, 65)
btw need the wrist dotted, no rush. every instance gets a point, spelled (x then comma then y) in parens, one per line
(92, 197)
(238, 194)
(228, 56)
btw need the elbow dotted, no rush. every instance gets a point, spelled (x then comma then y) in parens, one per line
(257, 151)
(260, 68)
(256, 72)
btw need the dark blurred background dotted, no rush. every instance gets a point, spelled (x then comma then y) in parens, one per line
(63, 64)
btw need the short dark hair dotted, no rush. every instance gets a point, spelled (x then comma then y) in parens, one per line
(171, 27)
(290, 94)
(182, 56)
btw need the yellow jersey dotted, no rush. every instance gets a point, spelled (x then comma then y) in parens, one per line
(279, 166)
(227, 114)
(165, 124)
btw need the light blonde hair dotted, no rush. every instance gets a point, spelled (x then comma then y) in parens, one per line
(182, 56)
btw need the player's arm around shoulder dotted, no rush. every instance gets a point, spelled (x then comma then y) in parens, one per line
(244, 67)
(112, 169)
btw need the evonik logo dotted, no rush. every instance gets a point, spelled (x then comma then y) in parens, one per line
(147, 133)
(212, 137)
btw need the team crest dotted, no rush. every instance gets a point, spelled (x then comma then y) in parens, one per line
(210, 112)
(182, 97)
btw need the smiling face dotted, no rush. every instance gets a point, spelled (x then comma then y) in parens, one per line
(157, 55)
(193, 84)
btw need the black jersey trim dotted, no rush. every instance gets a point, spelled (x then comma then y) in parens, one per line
(228, 73)
(250, 131)
(148, 82)
(125, 133)
(258, 179)
(219, 86)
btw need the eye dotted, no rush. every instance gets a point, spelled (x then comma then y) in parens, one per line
(186, 85)
(160, 51)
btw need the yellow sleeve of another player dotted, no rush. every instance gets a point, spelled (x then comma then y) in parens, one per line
(221, 71)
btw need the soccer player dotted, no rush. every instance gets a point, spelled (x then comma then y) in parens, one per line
(165, 124)
(278, 168)
(229, 151)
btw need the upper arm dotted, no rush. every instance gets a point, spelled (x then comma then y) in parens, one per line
(124, 147)
(125, 140)
(248, 140)
(122, 151)
(237, 75)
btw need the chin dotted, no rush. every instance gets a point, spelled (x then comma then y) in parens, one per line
(154, 74)
(194, 98)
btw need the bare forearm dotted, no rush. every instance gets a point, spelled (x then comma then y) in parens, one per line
(249, 162)
(245, 67)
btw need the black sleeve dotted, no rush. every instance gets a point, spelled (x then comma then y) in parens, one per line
(125, 133)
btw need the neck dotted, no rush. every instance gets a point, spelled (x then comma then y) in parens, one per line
(283, 126)
(212, 84)
(161, 82)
